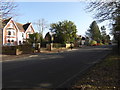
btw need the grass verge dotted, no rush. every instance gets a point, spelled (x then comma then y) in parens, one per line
(103, 76)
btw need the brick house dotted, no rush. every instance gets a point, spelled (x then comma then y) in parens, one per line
(15, 33)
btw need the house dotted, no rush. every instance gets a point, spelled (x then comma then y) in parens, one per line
(15, 33)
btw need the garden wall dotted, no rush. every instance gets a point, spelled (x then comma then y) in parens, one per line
(16, 50)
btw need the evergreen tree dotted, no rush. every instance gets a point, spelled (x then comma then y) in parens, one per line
(105, 37)
(108, 10)
(48, 37)
(94, 32)
(103, 33)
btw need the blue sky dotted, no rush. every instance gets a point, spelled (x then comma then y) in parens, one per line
(53, 12)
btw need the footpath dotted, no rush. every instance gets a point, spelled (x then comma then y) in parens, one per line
(24, 56)
(4, 58)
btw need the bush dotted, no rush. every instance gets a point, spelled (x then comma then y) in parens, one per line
(98, 43)
(93, 43)
(101, 44)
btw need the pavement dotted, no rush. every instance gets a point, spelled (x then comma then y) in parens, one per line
(4, 58)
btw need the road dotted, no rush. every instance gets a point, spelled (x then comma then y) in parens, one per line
(55, 70)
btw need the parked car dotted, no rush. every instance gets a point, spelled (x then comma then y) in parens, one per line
(8, 44)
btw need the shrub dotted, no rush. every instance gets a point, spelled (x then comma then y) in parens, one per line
(93, 43)
(101, 44)
(98, 43)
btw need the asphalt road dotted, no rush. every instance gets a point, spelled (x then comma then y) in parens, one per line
(55, 70)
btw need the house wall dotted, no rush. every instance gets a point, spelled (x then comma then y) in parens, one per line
(10, 33)
(20, 37)
(30, 30)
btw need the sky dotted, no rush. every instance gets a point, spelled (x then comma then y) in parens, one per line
(54, 12)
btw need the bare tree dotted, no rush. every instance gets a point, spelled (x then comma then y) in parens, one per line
(104, 10)
(7, 8)
(41, 25)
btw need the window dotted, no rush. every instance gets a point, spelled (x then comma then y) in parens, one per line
(9, 33)
(13, 33)
(20, 42)
(12, 41)
(22, 34)
(8, 40)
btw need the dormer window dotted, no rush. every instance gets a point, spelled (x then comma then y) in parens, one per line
(11, 25)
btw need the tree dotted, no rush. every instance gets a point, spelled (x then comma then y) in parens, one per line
(34, 38)
(105, 38)
(116, 27)
(103, 34)
(64, 32)
(103, 30)
(104, 10)
(41, 25)
(107, 10)
(48, 37)
(108, 38)
(7, 8)
(93, 32)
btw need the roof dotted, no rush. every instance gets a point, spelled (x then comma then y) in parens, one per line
(25, 26)
(5, 21)
(21, 27)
